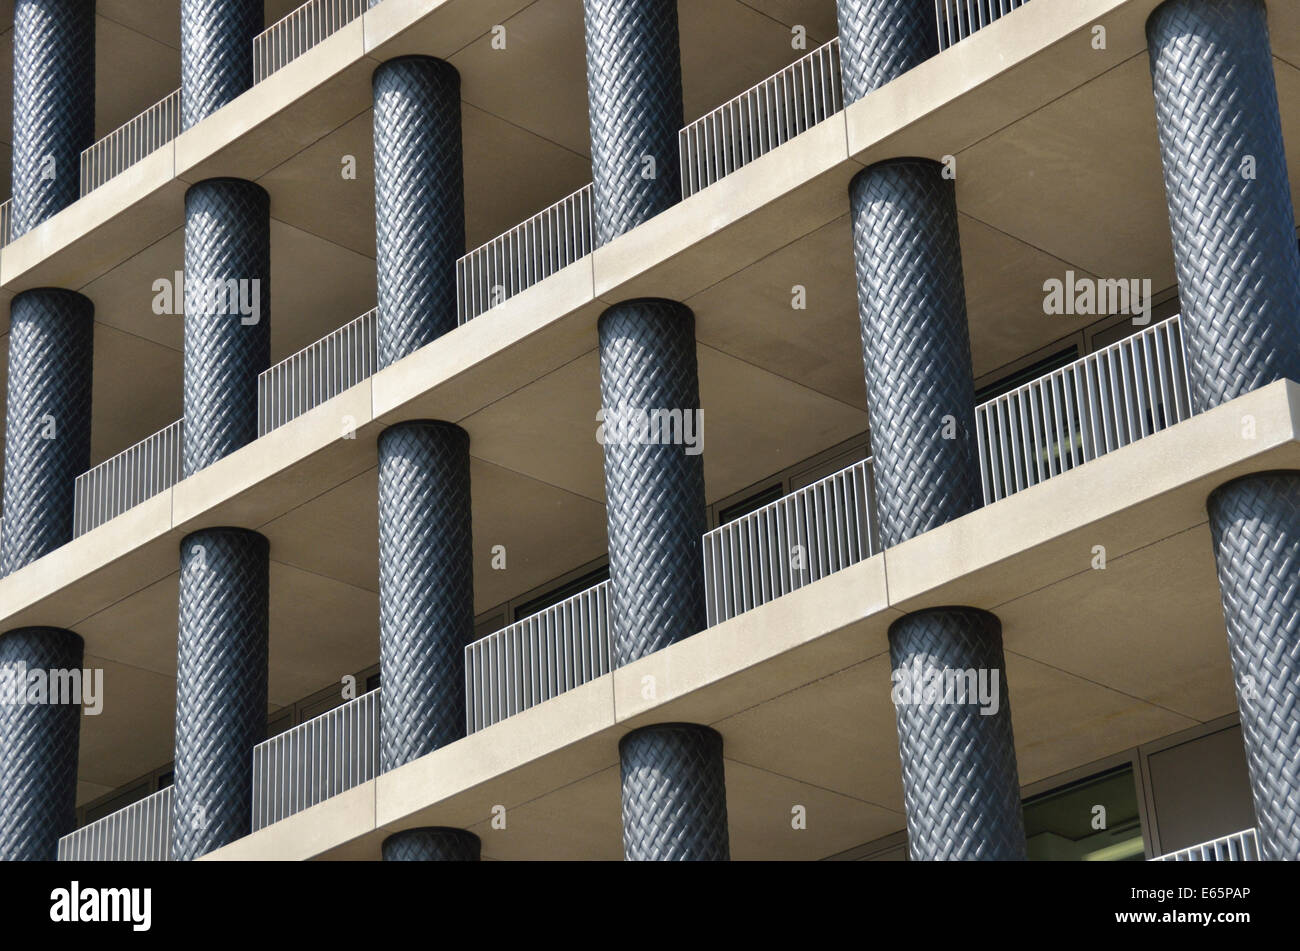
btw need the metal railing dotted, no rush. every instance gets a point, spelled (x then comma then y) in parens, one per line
(317, 373)
(134, 475)
(796, 540)
(287, 39)
(142, 832)
(958, 19)
(1238, 847)
(1108, 399)
(323, 757)
(142, 136)
(526, 254)
(758, 120)
(6, 219)
(538, 658)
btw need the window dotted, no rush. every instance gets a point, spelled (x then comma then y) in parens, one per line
(1094, 820)
(1026, 374)
(556, 595)
(751, 504)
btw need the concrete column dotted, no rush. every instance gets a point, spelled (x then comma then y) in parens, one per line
(38, 745)
(1234, 242)
(216, 53)
(54, 105)
(221, 686)
(47, 420)
(227, 315)
(48, 412)
(960, 781)
(426, 544)
(674, 791)
(419, 201)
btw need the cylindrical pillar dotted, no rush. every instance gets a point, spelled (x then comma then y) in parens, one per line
(227, 315)
(882, 39)
(419, 201)
(221, 686)
(47, 420)
(920, 396)
(39, 738)
(674, 795)
(54, 106)
(432, 844)
(1233, 228)
(634, 98)
(216, 53)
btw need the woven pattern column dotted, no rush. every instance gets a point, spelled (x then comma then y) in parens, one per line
(960, 781)
(1234, 242)
(38, 746)
(216, 53)
(221, 686)
(674, 794)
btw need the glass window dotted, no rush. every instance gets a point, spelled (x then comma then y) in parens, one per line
(1032, 372)
(751, 504)
(1094, 820)
(564, 591)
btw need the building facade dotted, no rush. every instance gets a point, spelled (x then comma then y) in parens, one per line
(898, 359)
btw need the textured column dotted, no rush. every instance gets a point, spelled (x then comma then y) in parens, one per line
(634, 95)
(882, 39)
(221, 686)
(38, 746)
(426, 587)
(1234, 243)
(960, 780)
(216, 53)
(426, 610)
(419, 201)
(227, 315)
(432, 844)
(54, 105)
(654, 493)
(674, 794)
(47, 420)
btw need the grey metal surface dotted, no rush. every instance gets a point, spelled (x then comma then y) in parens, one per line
(38, 746)
(317, 373)
(432, 844)
(530, 252)
(634, 96)
(961, 788)
(122, 482)
(654, 492)
(882, 39)
(419, 201)
(794, 541)
(313, 761)
(221, 686)
(1238, 847)
(762, 118)
(916, 346)
(1255, 524)
(227, 239)
(426, 587)
(1229, 199)
(537, 658)
(674, 794)
(47, 420)
(216, 53)
(54, 105)
(958, 19)
(140, 832)
(310, 24)
(1099, 403)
